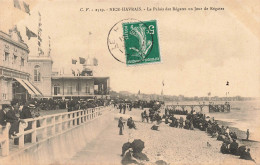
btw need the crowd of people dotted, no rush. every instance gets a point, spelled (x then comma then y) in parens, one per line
(15, 114)
(70, 104)
(203, 123)
(20, 110)
(123, 106)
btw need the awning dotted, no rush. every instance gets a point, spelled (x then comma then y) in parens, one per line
(29, 87)
(30, 91)
(33, 88)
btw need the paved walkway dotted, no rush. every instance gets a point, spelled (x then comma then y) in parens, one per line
(107, 147)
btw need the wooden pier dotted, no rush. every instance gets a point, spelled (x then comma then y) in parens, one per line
(211, 107)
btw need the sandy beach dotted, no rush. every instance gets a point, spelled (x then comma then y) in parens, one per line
(180, 146)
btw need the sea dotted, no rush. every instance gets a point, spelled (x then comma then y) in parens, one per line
(243, 115)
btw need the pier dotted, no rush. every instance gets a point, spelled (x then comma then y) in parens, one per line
(209, 107)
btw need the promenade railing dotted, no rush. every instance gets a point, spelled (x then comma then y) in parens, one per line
(33, 130)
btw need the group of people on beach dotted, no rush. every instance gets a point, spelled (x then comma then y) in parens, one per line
(222, 133)
(123, 106)
(130, 123)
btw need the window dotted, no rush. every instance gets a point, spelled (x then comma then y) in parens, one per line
(37, 74)
(87, 89)
(56, 89)
(69, 90)
(15, 59)
(4, 90)
(22, 61)
(6, 56)
(78, 87)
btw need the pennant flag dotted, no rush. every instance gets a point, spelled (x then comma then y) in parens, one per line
(17, 4)
(73, 72)
(40, 51)
(82, 60)
(26, 8)
(95, 62)
(39, 38)
(30, 34)
(74, 61)
(227, 84)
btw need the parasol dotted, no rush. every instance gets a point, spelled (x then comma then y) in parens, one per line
(137, 145)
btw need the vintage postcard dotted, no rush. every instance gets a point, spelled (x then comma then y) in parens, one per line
(88, 82)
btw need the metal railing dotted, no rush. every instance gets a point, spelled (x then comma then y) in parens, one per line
(41, 128)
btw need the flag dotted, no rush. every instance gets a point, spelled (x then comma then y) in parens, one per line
(74, 61)
(26, 8)
(227, 84)
(82, 60)
(209, 93)
(39, 38)
(163, 83)
(73, 72)
(95, 62)
(40, 51)
(30, 34)
(17, 4)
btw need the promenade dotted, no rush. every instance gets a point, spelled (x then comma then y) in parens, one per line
(99, 142)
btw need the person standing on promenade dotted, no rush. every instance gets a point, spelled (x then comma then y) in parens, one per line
(247, 134)
(120, 107)
(124, 107)
(130, 107)
(120, 125)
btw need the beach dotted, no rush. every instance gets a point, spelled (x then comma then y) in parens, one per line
(173, 145)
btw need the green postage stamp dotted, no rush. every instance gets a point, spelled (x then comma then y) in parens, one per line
(141, 42)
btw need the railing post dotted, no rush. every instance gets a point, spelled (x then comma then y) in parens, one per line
(53, 129)
(71, 120)
(84, 116)
(34, 131)
(75, 118)
(44, 125)
(59, 123)
(79, 117)
(5, 144)
(66, 122)
(21, 138)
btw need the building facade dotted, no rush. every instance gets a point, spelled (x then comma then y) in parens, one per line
(14, 75)
(24, 76)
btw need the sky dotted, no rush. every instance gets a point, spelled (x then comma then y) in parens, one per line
(200, 50)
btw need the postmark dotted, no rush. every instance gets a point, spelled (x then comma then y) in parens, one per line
(133, 42)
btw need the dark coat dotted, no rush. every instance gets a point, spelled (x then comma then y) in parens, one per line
(11, 117)
(25, 113)
(120, 123)
(2, 118)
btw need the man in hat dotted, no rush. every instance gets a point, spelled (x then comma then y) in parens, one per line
(12, 119)
(3, 116)
(120, 125)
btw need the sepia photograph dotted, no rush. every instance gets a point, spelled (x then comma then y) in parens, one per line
(120, 82)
